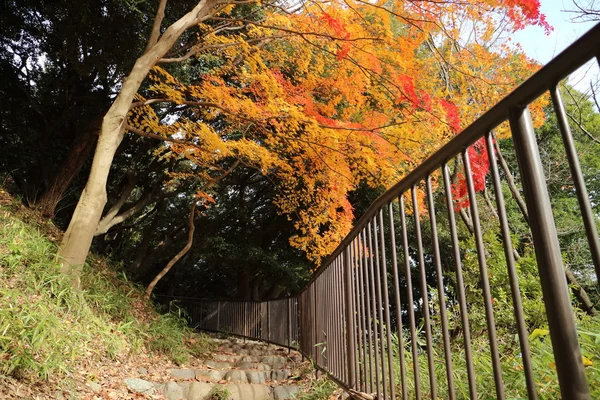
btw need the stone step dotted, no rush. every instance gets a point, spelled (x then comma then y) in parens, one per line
(235, 391)
(253, 358)
(274, 362)
(242, 375)
(246, 370)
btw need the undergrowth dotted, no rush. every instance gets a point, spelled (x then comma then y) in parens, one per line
(322, 388)
(47, 327)
(543, 364)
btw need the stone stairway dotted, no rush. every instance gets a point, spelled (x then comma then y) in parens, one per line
(238, 370)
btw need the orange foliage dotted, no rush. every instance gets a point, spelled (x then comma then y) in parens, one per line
(337, 94)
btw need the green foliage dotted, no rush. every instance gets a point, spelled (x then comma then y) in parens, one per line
(219, 393)
(510, 358)
(576, 257)
(318, 389)
(46, 327)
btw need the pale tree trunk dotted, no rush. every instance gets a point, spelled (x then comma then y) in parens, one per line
(78, 238)
(177, 257)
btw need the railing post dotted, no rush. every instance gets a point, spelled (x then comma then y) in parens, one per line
(268, 322)
(567, 354)
(289, 324)
(218, 315)
(315, 325)
(350, 333)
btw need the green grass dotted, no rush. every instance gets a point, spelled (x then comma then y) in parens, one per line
(46, 327)
(512, 366)
(318, 389)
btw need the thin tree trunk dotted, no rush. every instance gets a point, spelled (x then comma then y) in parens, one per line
(78, 238)
(511, 182)
(174, 260)
(78, 154)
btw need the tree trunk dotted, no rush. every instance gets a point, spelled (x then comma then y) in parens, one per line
(78, 238)
(580, 294)
(174, 260)
(78, 153)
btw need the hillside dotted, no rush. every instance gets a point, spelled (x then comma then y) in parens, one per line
(58, 343)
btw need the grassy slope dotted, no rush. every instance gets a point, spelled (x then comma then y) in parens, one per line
(54, 340)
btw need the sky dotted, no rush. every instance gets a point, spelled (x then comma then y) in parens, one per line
(543, 48)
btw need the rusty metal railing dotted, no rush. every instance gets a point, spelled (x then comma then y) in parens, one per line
(366, 316)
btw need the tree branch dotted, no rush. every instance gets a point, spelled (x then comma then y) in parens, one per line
(514, 190)
(178, 256)
(160, 15)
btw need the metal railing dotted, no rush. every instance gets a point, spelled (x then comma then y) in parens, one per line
(367, 316)
(274, 321)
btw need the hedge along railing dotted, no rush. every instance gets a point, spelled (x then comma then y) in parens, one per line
(349, 318)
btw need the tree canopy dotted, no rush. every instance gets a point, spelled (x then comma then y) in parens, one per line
(322, 99)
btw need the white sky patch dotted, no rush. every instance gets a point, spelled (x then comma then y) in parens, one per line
(544, 48)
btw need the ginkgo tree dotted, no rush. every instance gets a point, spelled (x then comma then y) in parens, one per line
(318, 97)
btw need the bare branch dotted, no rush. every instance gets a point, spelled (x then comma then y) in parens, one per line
(178, 256)
(581, 127)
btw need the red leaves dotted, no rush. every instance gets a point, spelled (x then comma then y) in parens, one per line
(337, 25)
(343, 52)
(408, 88)
(526, 12)
(480, 165)
(452, 117)
(339, 28)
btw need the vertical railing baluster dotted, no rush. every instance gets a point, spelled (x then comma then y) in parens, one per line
(565, 344)
(268, 321)
(424, 294)
(339, 317)
(218, 315)
(483, 275)
(289, 322)
(356, 312)
(441, 291)
(589, 219)
(460, 285)
(374, 314)
(380, 307)
(509, 254)
(398, 302)
(315, 323)
(369, 319)
(410, 300)
(328, 305)
(361, 284)
(386, 310)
